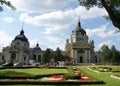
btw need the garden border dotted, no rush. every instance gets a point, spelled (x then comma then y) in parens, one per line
(37, 82)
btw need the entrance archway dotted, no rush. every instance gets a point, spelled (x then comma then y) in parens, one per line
(81, 59)
(13, 57)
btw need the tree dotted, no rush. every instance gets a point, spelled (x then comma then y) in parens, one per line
(58, 55)
(115, 55)
(105, 54)
(47, 56)
(111, 56)
(7, 3)
(111, 6)
(113, 51)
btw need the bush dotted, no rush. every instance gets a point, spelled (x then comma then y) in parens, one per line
(72, 76)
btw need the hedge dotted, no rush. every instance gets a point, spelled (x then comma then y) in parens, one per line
(71, 74)
(37, 82)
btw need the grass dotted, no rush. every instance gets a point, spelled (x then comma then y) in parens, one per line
(110, 68)
(31, 71)
(101, 76)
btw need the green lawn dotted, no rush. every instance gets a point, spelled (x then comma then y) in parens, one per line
(32, 71)
(101, 76)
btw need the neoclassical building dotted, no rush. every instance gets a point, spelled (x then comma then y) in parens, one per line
(80, 49)
(20, 51)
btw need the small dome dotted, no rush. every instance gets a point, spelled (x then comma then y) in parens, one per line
(21, 37)
(37, 47)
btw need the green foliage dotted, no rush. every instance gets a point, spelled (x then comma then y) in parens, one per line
(41, 83)
(7, 3)
(47, 55)
(50, 56)
(105, 54)
(71, 74)
(109, 56)
(115, 55)
(111, 6)
(88, 3)
(58, 55)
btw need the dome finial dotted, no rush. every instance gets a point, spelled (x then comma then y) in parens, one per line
(22, 25)
(22, 31)
(79, 23)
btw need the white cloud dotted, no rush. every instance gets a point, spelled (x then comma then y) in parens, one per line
(53, 39)
(62, 17)
(102, 32)
(33, 43)
(52, 30)
(48, 19)
(8, 19)
(56, 42)
(57, 21)
(108, 42)
(92, 13)
(40, 5)
(5, 39)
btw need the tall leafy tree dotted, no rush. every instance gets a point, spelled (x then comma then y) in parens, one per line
(109, 56)
(113, 51)
(47, 55)
(58, 55)
(115, 55)
(111, 6)
(7, 3)
(105, 54)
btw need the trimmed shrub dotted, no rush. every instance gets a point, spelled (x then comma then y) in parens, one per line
(37, 82)
(72, 76)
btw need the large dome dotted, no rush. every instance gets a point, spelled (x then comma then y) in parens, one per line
(21, 37)
(79, 29)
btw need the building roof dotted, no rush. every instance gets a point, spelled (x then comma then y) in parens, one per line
(21, 37)
(79, 29)
(37, 47)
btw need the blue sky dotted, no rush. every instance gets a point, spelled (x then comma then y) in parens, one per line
(50, 23)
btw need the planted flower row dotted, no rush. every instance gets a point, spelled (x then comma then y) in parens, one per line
(82, 75)
(102, 69)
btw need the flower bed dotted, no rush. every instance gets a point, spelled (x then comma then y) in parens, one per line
(102, 69)
(82, 75)
(54, 77)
